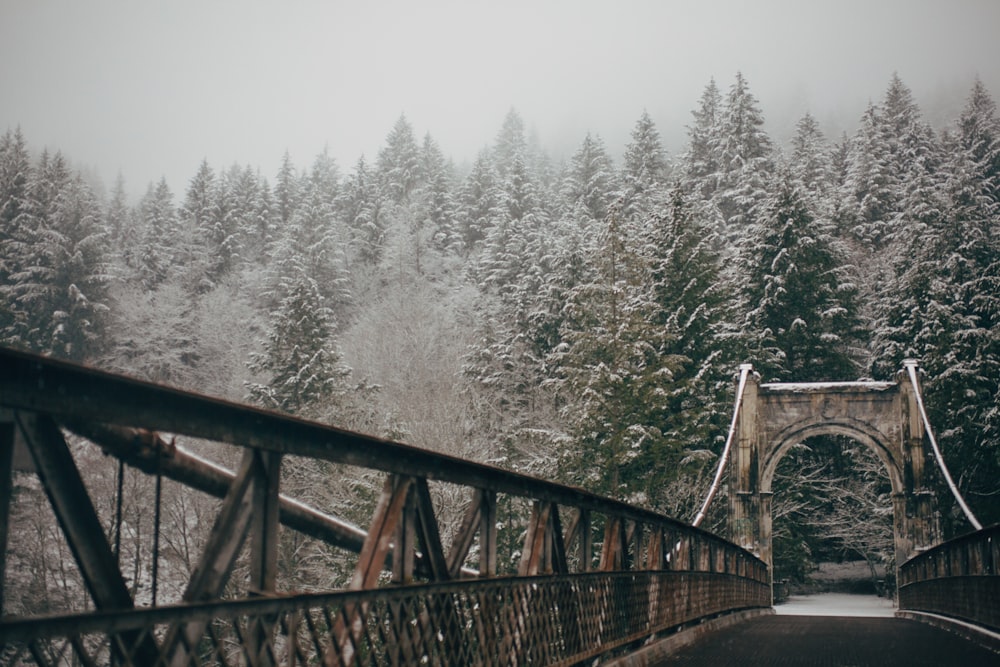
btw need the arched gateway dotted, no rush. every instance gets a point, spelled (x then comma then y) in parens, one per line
(884, 416)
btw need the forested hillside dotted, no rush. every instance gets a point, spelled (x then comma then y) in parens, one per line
(581, 321)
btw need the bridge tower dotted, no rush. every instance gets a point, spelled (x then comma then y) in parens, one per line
(883, 416)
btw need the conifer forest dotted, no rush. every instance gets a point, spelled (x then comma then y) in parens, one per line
(580, 320)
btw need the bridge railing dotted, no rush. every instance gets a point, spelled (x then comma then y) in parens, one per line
(959, 578)
(574, 597)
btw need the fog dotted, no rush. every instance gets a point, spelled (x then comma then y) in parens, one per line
(150, 89)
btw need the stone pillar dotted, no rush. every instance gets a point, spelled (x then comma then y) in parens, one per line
(920, 528)
(744, 478)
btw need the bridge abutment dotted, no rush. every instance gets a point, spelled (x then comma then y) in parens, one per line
(883, 416)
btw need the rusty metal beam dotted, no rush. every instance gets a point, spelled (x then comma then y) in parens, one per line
(225, 541)
(534, 540)
(466, 534)
(558, 562)
(38, 383)
(388, 514)
(140, 449)
(429, 533)
(264, 521)
(226, 538)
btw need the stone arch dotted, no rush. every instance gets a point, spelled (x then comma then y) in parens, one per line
(880, 415)
(855, 430)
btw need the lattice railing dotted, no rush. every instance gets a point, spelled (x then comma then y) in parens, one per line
(546, 620)
(959, 578)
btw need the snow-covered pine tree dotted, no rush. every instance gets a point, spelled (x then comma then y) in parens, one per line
(746, 160)
(398, 164)
(801, 313)
(436, 211)
(477, 198)
(315, 243)
(644, 169)
(158, 256)
(362, 207)
(701, 162)
(57, 276)
(611, 367)
(946, 312)
(510, 144)
(691, 305)
(15, 175)
(590, 183)
(287, 193)
(811, 161)
(303, 367)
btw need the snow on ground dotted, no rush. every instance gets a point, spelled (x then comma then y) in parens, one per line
(835, 604)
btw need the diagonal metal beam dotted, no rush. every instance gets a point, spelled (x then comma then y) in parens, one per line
(225, 541)
(74, 511)
(428, 532)
(78, 520)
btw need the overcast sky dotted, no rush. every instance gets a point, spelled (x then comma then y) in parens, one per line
(152, 88)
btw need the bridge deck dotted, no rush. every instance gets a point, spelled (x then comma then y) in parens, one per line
(810, 641)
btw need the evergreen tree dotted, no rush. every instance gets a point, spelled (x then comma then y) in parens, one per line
(362, 207)
(306, 375)
(703, 161)
(117, 217)
(611, 369)
(15, 175)
(590, 183)
(946, 313)
(978, 135)
(202, 214)
(315, 244)
(29, 252)
(510, 146)
(56, 284)
(399, 162)
(802, 315)
(160, 236)
(78, 300)
(436, 212)
(745, 158)
(287, 193)
(476, 201)
(644, 169)
(811, 160)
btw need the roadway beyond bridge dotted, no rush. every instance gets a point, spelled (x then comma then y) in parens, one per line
(812, 641)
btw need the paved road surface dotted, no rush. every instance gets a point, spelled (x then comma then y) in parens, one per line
(863, 633)
(836, 604)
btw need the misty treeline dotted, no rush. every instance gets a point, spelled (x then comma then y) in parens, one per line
(581, 321)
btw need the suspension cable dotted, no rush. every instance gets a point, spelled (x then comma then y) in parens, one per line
(120, 484)
(744, 372)
(158, 493)
(911, 367)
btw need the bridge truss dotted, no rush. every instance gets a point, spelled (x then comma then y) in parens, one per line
(594, 575)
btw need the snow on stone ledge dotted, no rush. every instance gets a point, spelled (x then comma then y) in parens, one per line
(807, 387)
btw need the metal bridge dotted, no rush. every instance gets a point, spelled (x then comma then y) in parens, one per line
(596, 579)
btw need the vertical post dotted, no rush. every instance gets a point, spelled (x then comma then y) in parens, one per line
(6, 491)
(264, 492)
(586, 541)
(488, 535)
(264, 521)
(404, 552)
